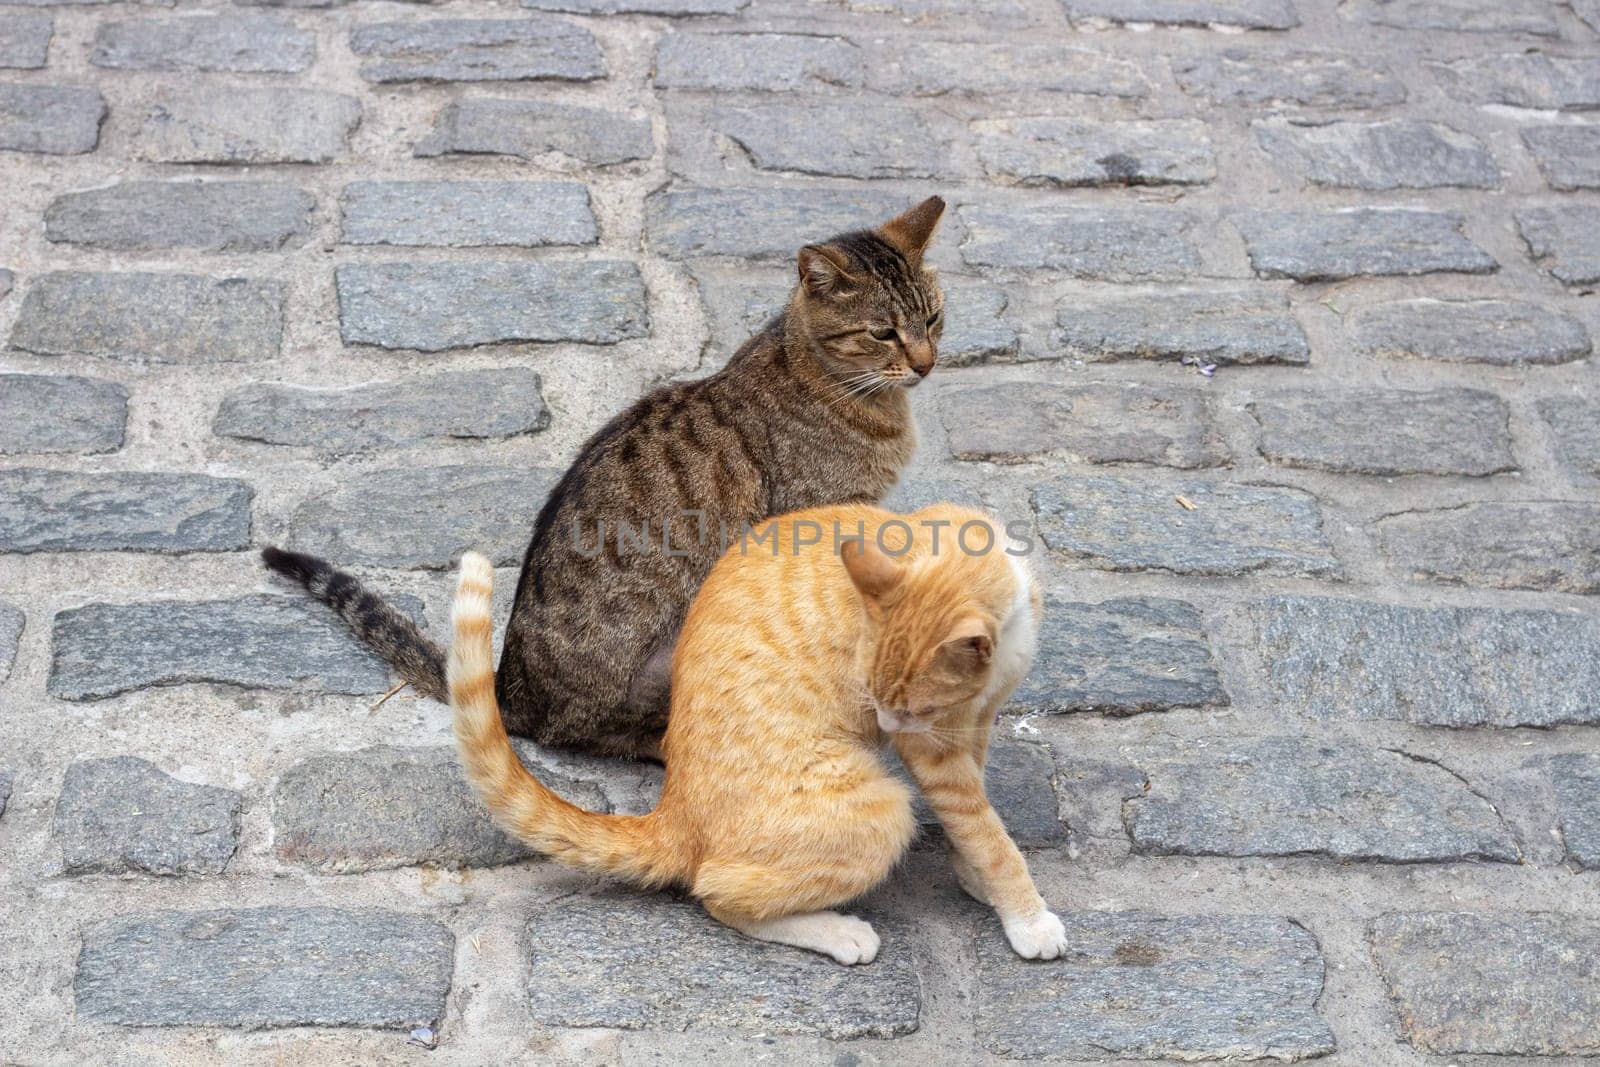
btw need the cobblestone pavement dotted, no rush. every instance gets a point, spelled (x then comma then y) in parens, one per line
(1308, 761)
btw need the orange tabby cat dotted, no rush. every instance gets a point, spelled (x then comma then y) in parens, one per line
(792, 667)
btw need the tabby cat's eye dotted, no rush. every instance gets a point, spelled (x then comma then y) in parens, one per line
(933, 320)
(883, 333)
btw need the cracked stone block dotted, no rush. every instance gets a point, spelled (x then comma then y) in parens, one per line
(445, 50)
(995, 12)
(1137, 524)
(1307, 79)
(1284, 796)
(1575, 428)
(123, 814)
(246, 125)
(1050, 151)
(240, 43)
(424, 518)
(977, 326)
(1575, 778)
(1120, 657)
(1017, 779)
(1337, 659)
(159, 318)
(1144, 986)
(1565, 240)
(1550, 545)
(1114, 244)
(925, 67)
(1237, 14)
(633, 961)
(1588, 11)
(5, 786)
(384, 807)
(1225, 327)
(1503, 983)
(208, 216)
(467, 214)
(1092, 794)
(25, 40)
(641, 7)
(1313, 246)
(1387, 431)
(1500, 332)
(758, 223)
(1459, 16)
(12, 621)
(431, 307)
(7, 280)
(258, 642)
(50, 119)
(1396, 154)
(471, 404)
(65, 413)
(260, 968)
(763, 61)
(125, 511)
(1528, 80)
(1019, 421)
(529, 129)
(1568, 156)
(847, 139)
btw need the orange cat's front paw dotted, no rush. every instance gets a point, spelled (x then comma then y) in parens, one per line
(1037, 937)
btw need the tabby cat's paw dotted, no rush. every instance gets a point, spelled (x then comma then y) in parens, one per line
(851, 940)
(1037, 937)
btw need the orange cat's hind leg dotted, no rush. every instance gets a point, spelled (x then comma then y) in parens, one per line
(847, 939)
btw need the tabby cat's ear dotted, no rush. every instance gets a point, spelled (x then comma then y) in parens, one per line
(970, 642)
(824, 270)
(874, 572)
(912, 232)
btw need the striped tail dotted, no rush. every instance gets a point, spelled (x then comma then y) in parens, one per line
(630, 846)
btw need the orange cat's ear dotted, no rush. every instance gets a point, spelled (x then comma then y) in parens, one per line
(874, 572)
(824, 270)
(912, 232)
(970, 643)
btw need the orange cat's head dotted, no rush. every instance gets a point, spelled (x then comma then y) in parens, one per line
(950, 628)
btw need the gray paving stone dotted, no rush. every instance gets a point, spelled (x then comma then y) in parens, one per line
(1136, 524)
(1462, 16)
(12, 621)
(848, 139)
(1239, 14)
(1548, 545)
(123, 814)
(1387, 431)
(467, 214)
(1575, 778)
(1045, 150)
(384, 807)
(48, 413)
(758, 223)
(993, 13)
(1394, 154)
(1589, 12)
(470, 404)
(127, 511)
(1308, 79)
(645, 7)
(529, 129)
(1565, 240)
(1115, 244)
(1501, 332)
(1285, 796)
(477, 50)
(1575, 428)
(205, 216)
(1530, 80)
(1341, 659)
(258, 642)
(160, 318)
(1145, 986)
(241, 43)
(978, 327)
(246, 125)
(634, 961)
(923, 67)
(25, 40)
(1120, 657)
(1017, 779)
(431, 307)
(1568, 156)
(1223, 326)
(1019, 421)
(5, 787)
(765, 61)
(7, 279)
(1311, 246)
(53, 120)
(1501, 983)
(258, 968)
(424, 518)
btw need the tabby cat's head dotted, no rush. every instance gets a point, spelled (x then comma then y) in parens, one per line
(872, 310)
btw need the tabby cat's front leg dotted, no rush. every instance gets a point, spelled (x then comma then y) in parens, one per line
(952, 780)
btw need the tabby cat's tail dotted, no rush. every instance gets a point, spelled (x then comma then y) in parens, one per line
(391, 634)
(632, 846)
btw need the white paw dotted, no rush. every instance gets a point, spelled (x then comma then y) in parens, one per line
(850, 940)
(1037, 937)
